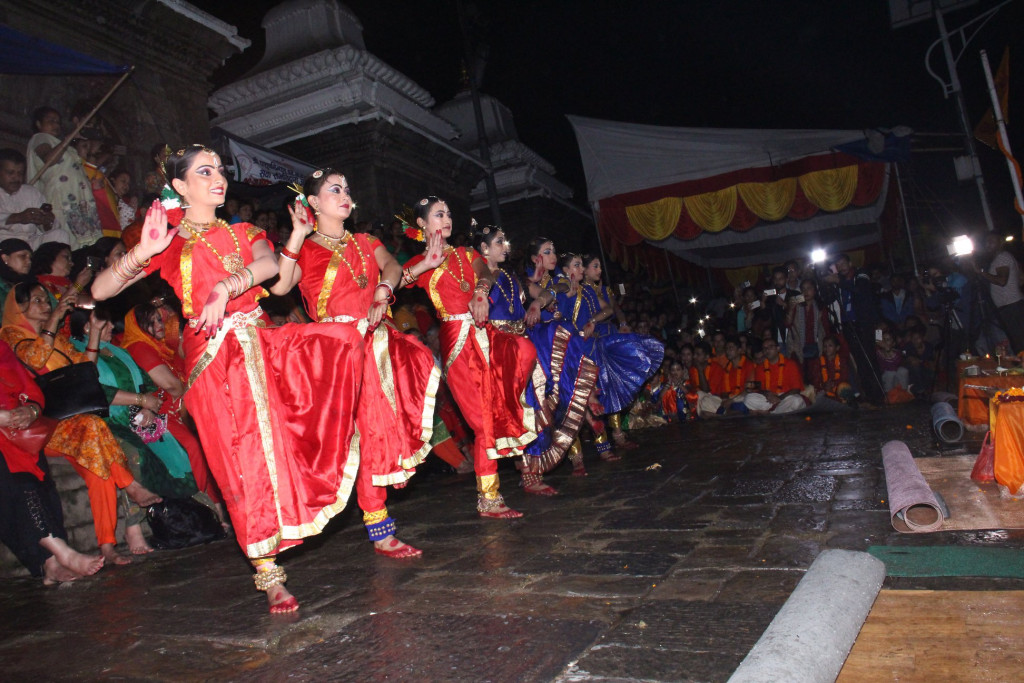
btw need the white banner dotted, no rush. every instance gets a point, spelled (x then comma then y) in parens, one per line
(258, 166)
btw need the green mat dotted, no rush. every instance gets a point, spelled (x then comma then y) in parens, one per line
(950, 561)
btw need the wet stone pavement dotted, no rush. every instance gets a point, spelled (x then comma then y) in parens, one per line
(666, 566)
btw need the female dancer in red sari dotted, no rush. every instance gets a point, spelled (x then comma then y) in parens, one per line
(274, 407)
(488, 371)
(347, 279)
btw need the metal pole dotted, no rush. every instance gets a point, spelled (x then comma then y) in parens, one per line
(906, 219)
(672, 278)
(965, 122)
(997, 114)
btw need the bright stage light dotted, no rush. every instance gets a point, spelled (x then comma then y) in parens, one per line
(961, 246)
(818, 256)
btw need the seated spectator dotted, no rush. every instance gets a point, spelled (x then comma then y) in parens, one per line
(727, 383)
(718, 349)
(919, 358)
(678, 400)
(31, 518)
(141, 418)
(30, 327)
(51, 266)
(127, 203)
(890, 363)
(147, 342)
(15, 262)
(776, 383)
(833, 380)
(699, 370)
(24, 212)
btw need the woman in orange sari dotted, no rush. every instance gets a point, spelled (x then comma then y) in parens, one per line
(488, 371)
(30, 327)
(145, 340)
(274, 407)
(348, 279)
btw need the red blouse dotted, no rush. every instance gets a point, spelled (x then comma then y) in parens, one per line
(330, 288)
(451, 284)
(192, 269)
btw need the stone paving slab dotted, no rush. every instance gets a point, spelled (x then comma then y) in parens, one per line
(629, 574)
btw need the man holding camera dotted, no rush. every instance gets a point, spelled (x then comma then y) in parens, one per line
(1003, 276)
(24, 213)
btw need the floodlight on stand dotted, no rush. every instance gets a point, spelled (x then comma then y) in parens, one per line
(818, 256)
(960, 246)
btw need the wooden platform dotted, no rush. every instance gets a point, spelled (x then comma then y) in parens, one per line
(921, 635)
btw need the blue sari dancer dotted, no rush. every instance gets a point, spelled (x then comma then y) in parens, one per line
(625, 361)
(540, 326)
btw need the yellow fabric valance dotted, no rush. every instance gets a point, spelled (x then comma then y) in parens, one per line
(769, 201)
(831, 189)
(712, 211)
(656, 220)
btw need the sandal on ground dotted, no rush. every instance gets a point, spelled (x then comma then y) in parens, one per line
(398, 550)
(495, 508)
(532, 483)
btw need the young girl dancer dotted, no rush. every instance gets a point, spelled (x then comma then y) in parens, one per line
(488, 371)
(348, 279)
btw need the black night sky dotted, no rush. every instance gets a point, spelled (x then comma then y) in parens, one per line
(714, 63)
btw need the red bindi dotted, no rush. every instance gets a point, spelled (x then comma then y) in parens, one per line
(214, 296)
(154, 234)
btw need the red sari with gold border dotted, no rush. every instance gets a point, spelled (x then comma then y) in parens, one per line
(395, 413)
(488, 371)
(275, 408)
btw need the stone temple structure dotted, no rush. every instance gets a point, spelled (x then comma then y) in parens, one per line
(318, 95)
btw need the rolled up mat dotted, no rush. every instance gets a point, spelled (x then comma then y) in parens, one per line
(946, 424)
(912, 505)
(810, 637)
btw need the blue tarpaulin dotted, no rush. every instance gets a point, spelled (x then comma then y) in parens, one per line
(22, 54)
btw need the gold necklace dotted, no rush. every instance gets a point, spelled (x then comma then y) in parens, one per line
(511, 287)
(462, 280)
(233, 262)
(337, 245)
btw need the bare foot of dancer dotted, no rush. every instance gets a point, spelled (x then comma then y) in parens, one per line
(69, 558)
(610, 456)
(271, 578)
(112, 556)
(136, 541)
(395, 549)
(533, 483)
(142, 496)
(54, 573)
(495, 508)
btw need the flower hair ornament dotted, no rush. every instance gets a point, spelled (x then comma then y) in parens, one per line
(411, 232)
(301, 197)
(171, 202)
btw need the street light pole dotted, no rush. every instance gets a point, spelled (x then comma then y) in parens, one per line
(954, 88)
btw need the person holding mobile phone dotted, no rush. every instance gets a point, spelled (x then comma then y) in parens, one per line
(24, 212)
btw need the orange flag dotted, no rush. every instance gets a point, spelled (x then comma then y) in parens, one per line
(986, 131)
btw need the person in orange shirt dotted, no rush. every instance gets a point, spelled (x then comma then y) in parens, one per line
(726, 384)
(776, 383)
